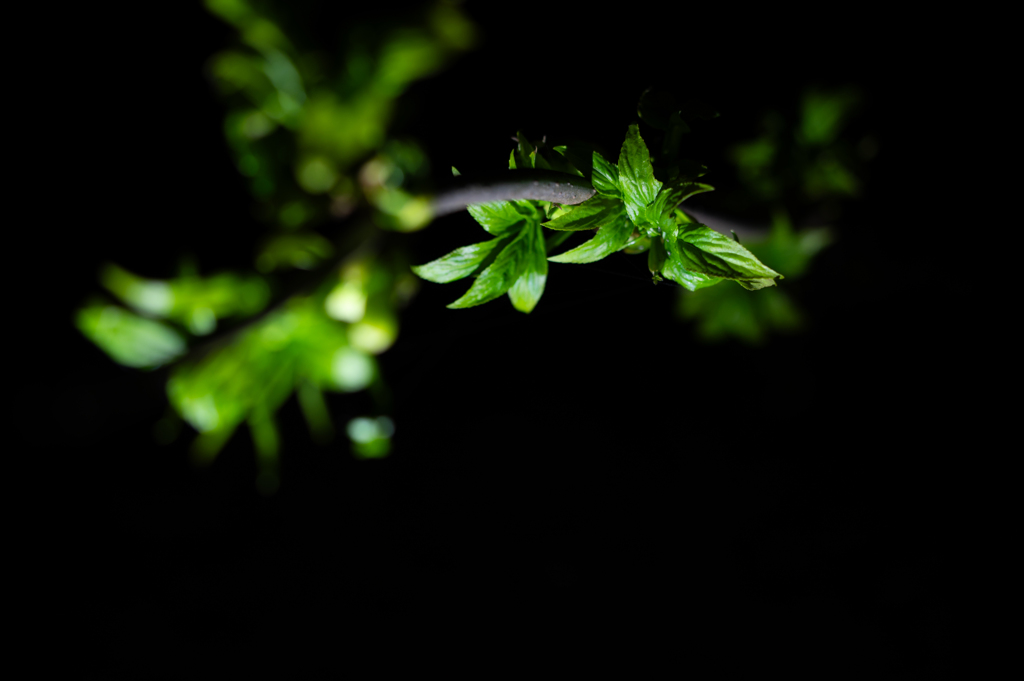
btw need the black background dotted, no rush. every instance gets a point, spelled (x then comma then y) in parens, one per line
(587, 468)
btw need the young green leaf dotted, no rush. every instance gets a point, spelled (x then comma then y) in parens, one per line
(499, 276)
(529, 287)
(613, 235)
(605, 177)
(691, 281)
(458, 264)
(701, 249)
(636, 175)
(501, 217)
(590, 214)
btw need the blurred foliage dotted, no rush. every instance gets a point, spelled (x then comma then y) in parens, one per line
(807, 160)
(299, 129)
(310, 131)
(807, 164)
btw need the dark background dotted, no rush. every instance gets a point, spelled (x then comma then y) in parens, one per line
(589, 467)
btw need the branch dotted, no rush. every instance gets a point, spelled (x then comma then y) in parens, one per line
(548, 185)
(538, 185)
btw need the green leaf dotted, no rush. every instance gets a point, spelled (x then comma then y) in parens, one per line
(127, 338)
(500, 275)
(458, 264)
(605, 177)
(590, 214)
(640, 244)
(613, 235)
(501, 217)
(701, 249)
(529, 287)
(636, 175)
(674, 270)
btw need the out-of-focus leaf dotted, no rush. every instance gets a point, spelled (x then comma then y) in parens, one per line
(590, 214)
(316, 174)
(256, 372)
(728, 311)
(371, 437)
(303, 251)
(128, 339)
(190, 300)
(824, 113)
(787, 249)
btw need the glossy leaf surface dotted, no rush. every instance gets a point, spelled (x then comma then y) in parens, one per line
(502, 217)
(529, 287)
(605, 177)
(591, 214)
(612, 236)
(636, 175)
(692, 281)
(499, 276)
(458, 264)
(701, 249)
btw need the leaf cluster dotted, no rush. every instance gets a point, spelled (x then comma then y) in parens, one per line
(632, 211)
